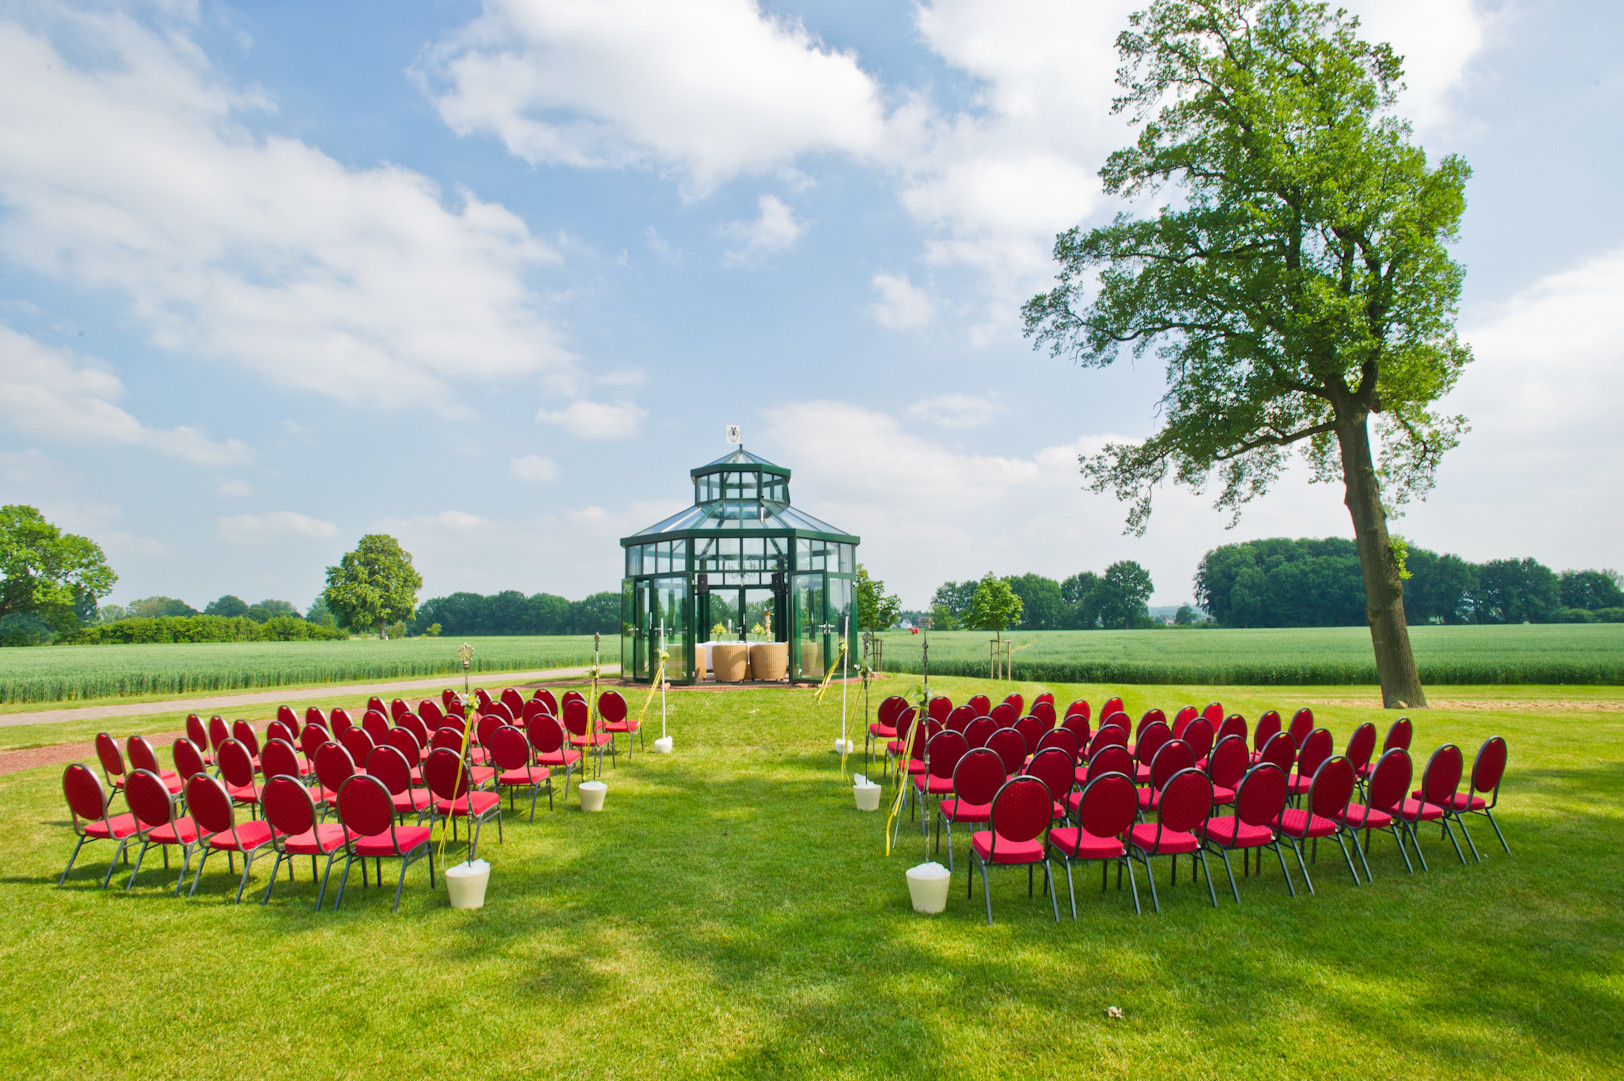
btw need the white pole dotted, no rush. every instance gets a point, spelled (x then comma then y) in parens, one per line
(662, 681)
(845, 667)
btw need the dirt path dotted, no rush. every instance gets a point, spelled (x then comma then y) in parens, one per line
(214, 703)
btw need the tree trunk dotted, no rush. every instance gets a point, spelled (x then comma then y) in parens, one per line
(1384, 589)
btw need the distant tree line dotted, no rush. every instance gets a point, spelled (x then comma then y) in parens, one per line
(1282, 582)
(511, 612)
(1085, 601)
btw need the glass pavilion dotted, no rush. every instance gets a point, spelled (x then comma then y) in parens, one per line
(741, 557)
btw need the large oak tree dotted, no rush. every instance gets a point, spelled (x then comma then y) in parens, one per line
(1296, 279)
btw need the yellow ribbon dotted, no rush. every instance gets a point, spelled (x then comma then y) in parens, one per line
(902, 775)
(467, 732)
(828, 677)
(654, 688)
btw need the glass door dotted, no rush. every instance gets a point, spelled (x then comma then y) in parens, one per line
(668, 612)
(810, 649)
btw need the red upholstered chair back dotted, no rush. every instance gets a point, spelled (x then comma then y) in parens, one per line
(243, 733)
(1227, 763)
(445, 774)
(1151, 716)
(1261, 795)
(612, 707)
(1031, 730)
(1117, 719)
(1077, 725)
(1441, 779)
(289, 719)
(960, 718)
(1109, 736)
(236, 765)
(279, 759)
(890, 710)
(1302, 723)
(482, 699)
(1361, 745)
(311, 739)
(1332, 787)
(514, 701)
(219, 732)
(1004, 714)
(1316, 750)
(925, 730)
(485, 728)
(1184, 716)
(334, 766)
(339, 721)
(402, 740)
(1015, 700)
(1112, 705)
(1280, 751)
(1268, 723)
(197, 732)
(430, 713)
(499, 711)
(1198, 734)
(148, 799)
(448, 696)
(1008, 745)
(1079, 708)
(1055, 769)
(188, 759)
(1046, 696)
(1185, 802)
(375, 724)
(1043, 711)
(87, 797)
(1151, 738)
(542, 694)
(1233, 725)
(1174, 757)
(288, 806)
(140, 754)
(358, 743)
(978, 775)
(577, 718)
(1489, 765)
(977, 732)
(390, 767)
(1059, 737)
(208, 804)
(944, 751)
(545, 732)
(1109, 805)
(1021, 810)
(1111, 758)
(573, 696)
(278, 730)
(981, 704)
(940, 707)
(1390, 780)
(313, 715)
(1213, 711)
(1399, 735)
(364, 806)
(509, 748)
(396, 708)
(376, 703)
(447, 738)
(414, 724)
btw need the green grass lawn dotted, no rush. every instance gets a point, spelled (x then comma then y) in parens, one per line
(1521, 653)
(730, 914)
(44, 674)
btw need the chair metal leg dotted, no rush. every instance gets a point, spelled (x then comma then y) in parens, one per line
(1281, 856)
(399, 885)
(1132, 885)
(1048, 882)
(1202, 855)
(1460, 820)
(75, 855)
(1490, 816)
(1224, 854)
(1451, 835)
(1362, 858)
(200, 863)
(1342, 845)
(1415, 842)
(1071, 889)
(1150, 877)
(1301, 863)
(344, 880)
(274, 869)
(122, 851)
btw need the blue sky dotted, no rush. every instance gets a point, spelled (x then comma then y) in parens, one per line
(493, 277)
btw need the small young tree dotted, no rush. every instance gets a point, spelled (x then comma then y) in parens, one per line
(876, 609)
(374, 585)
(993, 607)
(1298, 281)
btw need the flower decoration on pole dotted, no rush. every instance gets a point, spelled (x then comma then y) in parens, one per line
(465, 653)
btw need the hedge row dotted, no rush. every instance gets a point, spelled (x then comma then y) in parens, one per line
(200, 629)
(1326, 673)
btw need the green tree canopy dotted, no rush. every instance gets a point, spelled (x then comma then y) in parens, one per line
(993, 607)
(1123, 593)
(373, 585)
(1080, 592)
(877, 610)
(228, 605)
(1591, 590)
(1297, 281)
(1042, 605)
(44, 572)
(1515, 591)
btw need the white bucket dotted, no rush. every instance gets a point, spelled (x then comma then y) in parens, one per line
(592, 793)
(662, 745)
(928, 884)
(868, 795)
(467, 882)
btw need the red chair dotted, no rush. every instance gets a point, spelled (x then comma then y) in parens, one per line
(514, 701)
(484, 729)
(977, 776)
(112, 761)
(1151, 716)
(1259, 800)
(189, 761)
(448, 696)
(515, 761)
(1105, 812)
(366, 812)
(1314, 752)
(334, 766)
(1117, 720)
(1361, 746)
(310, 741)
(278, 730)
(983, 707)
(390, 766)
(375, 724)
(583, 734)
(1329, 793)
(376, 703)
(1488, 768)
(497, 710)
(1077, 725)
(1031, 730)
(243, 733)
(219, 732)
(412, 723)
(157, 824)
(1280, 751)
(1021, 810)
(1112, 705)
(1046, 698)
(1225, 767)
(430, 713)
(1384, 795)
(1111, 758)
(1173, 758)
(977, 732)
(618, 720)
(218, 829)
(939, 708)
(1044, 711)
(1435, 799)
(142, 756)
(547, 737)
(1079, 708)
(1108, 736)
(1213, 712)
(402, 740)
(357, 742)
(1183, 806)
(542, 694)
(198, 733)
(1004, 714)
(314, 715)
(289, 719)
(338, 722)
(1010, 747)
(1184, 716)
(398, 709)
(941, 757)
(960, 719)
(482, 700)
(1017, 701)
(1151, 738)
(1398, 736)
(295, 832)
(1302, 723)
(447, 778)
(1054, 768)
(907, 722)
(237, 771)
(1268, 724)
(884, 727)
(1232, 725)
(451, 739)
(279, 759)
(573, 696)
(1059, 737)
(1199, 735)
(87, 803)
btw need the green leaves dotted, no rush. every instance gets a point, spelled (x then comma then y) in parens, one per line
(373, 585)
(47, 573)
(994, 607)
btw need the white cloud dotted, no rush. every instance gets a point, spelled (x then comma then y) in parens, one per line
(596, 420)
(533, 467)
(959, 410)
(275, 525)
(135, 174)
(902, 305)
(57, 394)
(707, 89)
(775, 229)
(235, 489)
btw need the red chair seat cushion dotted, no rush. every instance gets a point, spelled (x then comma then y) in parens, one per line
(250, 834)
(409, 838)
(123, 826)
(1364, 771)
(1080, 774)
(1170, 843)
(1148, 799)
(1298, 785)
(894, 748)
(1360, 817)
(247, 793)
(517, 777)
(1465, 801)
(629, 725)
(481, 801)
(1141, 775)
(1230, 832)
(561, 757)
(882, 731)
(171, 781)
(935, 786)
(957, 810)
(1007, 851)
(182, 831)
(1222, 795)
(411, 800)
(1414, 810)
(319, 841)
(599, 740)
(1299, 823)
(1079, 844)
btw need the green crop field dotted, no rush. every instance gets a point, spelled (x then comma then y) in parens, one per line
(61, 673)
(1543, 653)
(730, 914)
